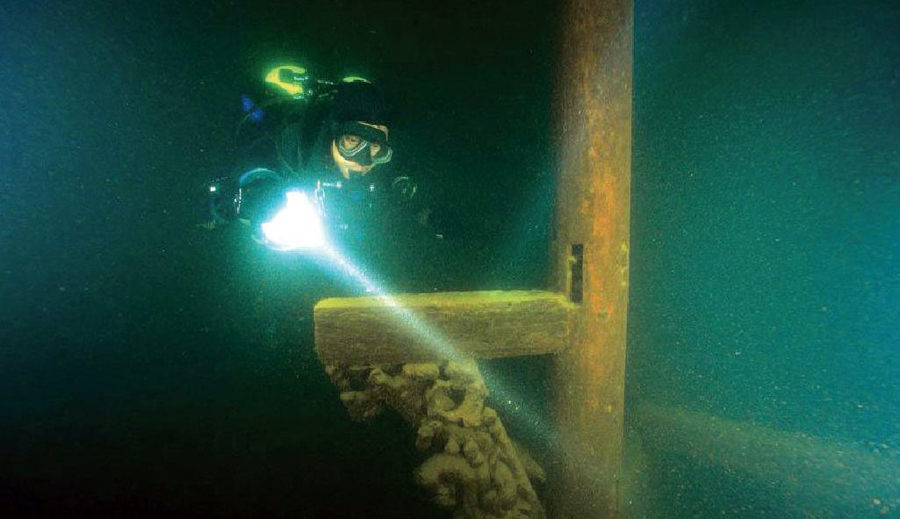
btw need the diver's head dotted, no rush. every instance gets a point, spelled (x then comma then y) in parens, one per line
(358, 123)
(359, 146)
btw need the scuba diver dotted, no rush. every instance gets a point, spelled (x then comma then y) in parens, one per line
(313, 185)
(313, 148)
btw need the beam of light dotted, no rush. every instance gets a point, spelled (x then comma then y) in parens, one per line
(529, 421)
(298, 227)
(421, 330)
(443, 347)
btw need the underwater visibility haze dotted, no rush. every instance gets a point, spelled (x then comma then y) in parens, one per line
(151, 366)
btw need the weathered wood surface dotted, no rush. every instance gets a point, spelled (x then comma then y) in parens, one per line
(440, 326)
(592, 125)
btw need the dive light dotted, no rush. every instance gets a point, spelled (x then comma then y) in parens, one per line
(296, 226)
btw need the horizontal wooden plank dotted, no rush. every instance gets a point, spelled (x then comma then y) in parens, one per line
(439, 326)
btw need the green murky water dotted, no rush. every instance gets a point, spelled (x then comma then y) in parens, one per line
(149, 367)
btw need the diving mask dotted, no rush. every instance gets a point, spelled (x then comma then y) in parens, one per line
(362, 144)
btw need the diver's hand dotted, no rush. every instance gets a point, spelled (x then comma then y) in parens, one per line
(259, 199)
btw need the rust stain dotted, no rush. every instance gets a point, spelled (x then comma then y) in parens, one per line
(594, 123)
(603, 207)
(596, 297)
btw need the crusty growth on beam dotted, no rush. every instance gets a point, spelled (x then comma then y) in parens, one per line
(430, 327)
(474, 467)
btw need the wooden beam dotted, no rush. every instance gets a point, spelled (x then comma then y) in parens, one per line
(428, 327)
(592, 122)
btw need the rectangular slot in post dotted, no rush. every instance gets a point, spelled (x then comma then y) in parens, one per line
(576, 291)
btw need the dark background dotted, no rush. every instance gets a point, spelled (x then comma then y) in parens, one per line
(142, 372)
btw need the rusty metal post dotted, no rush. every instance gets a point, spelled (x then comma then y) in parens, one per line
(592, 128)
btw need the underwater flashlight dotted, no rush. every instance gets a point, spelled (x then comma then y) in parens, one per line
(296, 226)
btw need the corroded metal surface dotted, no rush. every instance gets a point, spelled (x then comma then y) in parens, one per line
(592, 125)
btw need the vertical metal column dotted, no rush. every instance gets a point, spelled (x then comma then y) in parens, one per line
(592, 128)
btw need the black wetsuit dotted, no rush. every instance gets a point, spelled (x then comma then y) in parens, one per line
(379, 220)
(291, 141)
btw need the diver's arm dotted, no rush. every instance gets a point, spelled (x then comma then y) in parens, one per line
(247, 197)
(258, 193)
